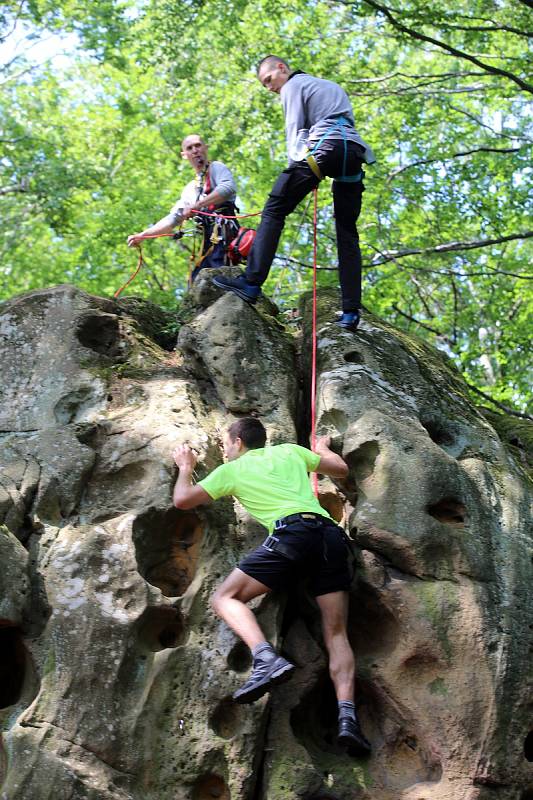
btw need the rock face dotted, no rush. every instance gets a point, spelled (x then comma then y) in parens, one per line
(116, 678)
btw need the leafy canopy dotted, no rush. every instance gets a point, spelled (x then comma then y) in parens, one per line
(89, 153)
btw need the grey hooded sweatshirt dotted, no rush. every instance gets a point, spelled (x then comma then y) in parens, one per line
(315, 104)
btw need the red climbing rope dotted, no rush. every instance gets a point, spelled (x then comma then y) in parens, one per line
(313, 354)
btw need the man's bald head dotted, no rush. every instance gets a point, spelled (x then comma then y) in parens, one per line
(190, 138)
(194, 149)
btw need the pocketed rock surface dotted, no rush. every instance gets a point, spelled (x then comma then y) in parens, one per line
(116, 677)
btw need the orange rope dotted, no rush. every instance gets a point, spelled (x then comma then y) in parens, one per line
(140, 262)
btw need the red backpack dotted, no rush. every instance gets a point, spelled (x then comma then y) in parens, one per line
(239, 248)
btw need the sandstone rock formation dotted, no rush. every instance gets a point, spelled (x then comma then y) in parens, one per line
(116, 678)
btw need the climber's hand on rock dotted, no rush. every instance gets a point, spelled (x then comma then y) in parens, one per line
(323, 443)
(184, 457)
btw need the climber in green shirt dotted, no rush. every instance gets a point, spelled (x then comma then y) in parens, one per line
(272, 483)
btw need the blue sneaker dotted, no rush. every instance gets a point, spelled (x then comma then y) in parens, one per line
(239, 286)
(349, 320)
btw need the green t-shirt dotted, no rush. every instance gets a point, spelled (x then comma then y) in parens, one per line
(270, 482)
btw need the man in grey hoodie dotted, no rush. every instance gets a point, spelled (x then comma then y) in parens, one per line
(319, 115)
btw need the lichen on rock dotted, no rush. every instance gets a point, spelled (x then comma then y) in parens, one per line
(117, 677)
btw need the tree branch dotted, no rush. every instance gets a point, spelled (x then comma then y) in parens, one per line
(15, 20)
(421, 324)
(399, 170)
(293, 260)
(486, 29)
(448, 48)
(497, 403)
(424, 92)
(470, 386)
(18, 188)
(482, 124)
(448, 247)
(436, 76)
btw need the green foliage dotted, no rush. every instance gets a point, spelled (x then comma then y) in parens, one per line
(90, 154)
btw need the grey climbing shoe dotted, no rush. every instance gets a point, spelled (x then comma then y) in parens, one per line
(265, 674)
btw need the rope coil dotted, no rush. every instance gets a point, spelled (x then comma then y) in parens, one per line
(140, 261)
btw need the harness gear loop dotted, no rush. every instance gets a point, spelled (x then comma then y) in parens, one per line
(215, 234)
(311, 160)
(274, 545)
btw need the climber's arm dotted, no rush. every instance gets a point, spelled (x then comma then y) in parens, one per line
(330, 463)
(186, 494)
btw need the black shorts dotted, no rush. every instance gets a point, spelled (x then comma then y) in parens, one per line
(322, 555)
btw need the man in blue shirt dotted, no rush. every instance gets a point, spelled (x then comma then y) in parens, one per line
(319, 114)
(272, 484)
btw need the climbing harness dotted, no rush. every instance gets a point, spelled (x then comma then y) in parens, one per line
(310, 520)
(340, 122)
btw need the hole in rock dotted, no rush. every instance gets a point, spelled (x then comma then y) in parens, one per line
(421, 661)
(240, 657)
(314, 721)
(167, 545)
(227, 718)
(334, 419)
(333, 504)
(209, 787)
(528, 746)
(354, 357)
(527, 795)
(362, 461)
(161, 628)
(321, 796)
(449, 511)
(12, 666)
(372, 627)
(101, 333)
(73, 405)
(438, 431)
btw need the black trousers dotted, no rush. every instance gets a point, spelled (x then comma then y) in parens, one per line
(291, 187)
